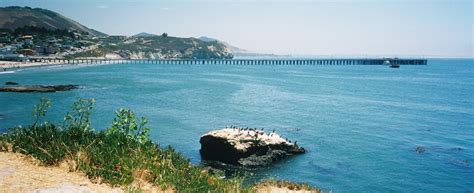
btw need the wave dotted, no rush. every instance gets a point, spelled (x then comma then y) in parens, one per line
(7, 72)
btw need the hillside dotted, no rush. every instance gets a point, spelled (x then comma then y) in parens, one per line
(16, 17)
(157, 47)
(53, 34)
(144, 34)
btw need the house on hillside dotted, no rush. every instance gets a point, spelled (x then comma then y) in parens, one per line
(14, 57)
(27, 52)
(27, 40)
(7, 50)
(46, 49)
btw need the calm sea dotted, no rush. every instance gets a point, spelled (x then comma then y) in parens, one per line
(360, 124)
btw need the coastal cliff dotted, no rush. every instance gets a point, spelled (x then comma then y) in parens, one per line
(246, 147)
(156, 47)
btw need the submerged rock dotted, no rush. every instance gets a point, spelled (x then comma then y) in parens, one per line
(39, 88)
(420, 149)
(11, 83)
(457, 148)
(246, 147)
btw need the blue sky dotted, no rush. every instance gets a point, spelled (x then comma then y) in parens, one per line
(439, 28)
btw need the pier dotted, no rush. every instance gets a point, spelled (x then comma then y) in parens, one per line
(376, 61)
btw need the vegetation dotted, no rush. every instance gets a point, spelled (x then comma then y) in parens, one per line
(42, 32)
(17, 17)
(121, 155)
(163, 46)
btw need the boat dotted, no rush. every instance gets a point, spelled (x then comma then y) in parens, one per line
(391, 64)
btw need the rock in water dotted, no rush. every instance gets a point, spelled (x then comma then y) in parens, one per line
(38, 88)
(420, 149)
(246, 147)
(11, 83)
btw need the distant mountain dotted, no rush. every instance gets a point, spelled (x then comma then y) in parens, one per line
(15, 17)
(235, 50)
(144, 34)
(239, 52)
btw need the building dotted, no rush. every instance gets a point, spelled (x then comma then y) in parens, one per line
(27, 52)
(39, 49)
(46, 50)
(28, 40)
(14, 57)
(51, 50)
(7, 50)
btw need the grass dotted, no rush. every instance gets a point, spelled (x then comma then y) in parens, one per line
(121, 155)
(284, 184)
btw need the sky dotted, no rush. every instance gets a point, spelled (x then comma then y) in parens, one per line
(427, 28)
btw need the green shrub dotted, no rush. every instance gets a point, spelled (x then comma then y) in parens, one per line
(44, 142)
(79, 117)
(40, 110)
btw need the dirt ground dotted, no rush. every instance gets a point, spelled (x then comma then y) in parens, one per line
(19, 173)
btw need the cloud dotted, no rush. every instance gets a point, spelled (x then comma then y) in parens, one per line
(165, 8)
(103, 6)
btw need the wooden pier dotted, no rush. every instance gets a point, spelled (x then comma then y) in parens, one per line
(379, 61)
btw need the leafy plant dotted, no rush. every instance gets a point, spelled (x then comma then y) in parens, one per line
(79, 117)
(126, 124)
(40, 110)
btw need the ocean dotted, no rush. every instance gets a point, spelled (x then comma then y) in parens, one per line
(361, 125)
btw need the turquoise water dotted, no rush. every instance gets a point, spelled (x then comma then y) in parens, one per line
(360, 124)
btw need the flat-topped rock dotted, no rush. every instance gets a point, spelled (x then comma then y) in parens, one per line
(39, 88)
(246, 147)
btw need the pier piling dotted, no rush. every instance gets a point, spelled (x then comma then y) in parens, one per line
(347, 61)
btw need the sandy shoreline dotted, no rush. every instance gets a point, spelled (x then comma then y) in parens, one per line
(11, 65)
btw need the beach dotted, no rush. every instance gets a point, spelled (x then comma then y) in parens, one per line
(9, 65)
(13, 65)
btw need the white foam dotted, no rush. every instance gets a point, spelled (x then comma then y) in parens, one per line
(7, 72)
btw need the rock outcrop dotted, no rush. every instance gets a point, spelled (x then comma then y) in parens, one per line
(39, 88)
(246, 147)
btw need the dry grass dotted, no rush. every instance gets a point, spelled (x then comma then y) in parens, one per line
(142, 179)
(273, 186)
(21, 173)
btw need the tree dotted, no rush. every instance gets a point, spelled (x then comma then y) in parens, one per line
(164, 35)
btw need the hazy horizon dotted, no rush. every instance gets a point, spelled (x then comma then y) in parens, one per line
(340, 28)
